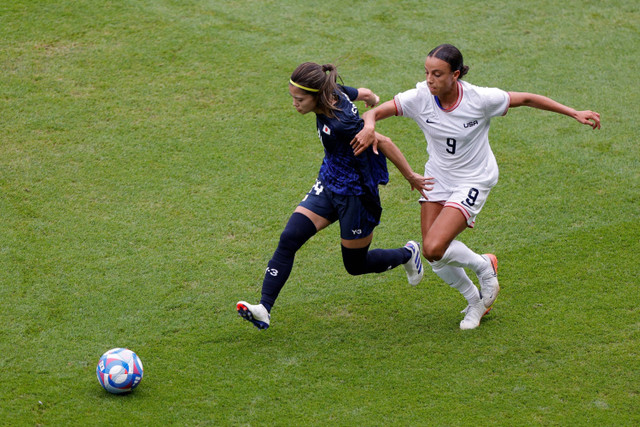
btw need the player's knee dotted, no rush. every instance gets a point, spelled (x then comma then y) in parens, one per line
(290, 240)
(297, 231)
(288, 244)
(354, 269)
(433, 251)
(355, 261)
(354, 266)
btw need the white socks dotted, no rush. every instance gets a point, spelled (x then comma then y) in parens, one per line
(457, 278)
(451, 267)
(459, 255)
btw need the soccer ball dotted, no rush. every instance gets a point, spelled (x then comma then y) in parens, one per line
(119, 370)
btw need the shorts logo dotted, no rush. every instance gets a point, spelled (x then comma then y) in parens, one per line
(471, 124)
(356, 232)
(318, 187)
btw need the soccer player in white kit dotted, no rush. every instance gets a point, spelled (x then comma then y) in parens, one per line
(455, 117)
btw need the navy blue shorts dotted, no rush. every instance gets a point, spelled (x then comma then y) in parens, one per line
(356, 221)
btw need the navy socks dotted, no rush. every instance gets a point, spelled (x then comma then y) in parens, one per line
(298, 230)
(363, 261)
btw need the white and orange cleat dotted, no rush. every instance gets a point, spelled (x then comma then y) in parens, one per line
(489, 287)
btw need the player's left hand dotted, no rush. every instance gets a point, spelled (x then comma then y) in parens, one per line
(588, 117)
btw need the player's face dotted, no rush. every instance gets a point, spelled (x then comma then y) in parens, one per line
(303, 102)
(440, 79)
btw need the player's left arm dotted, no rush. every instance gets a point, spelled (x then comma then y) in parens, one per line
(370, 99)
(586, 117)
(393, 153)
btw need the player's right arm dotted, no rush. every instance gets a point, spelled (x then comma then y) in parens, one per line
(367, 136)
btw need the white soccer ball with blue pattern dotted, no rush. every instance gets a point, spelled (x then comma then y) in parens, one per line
(119, 370)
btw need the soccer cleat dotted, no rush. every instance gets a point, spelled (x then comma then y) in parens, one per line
(414, 265)
(256, 314)
(489, 286)
(474, 312)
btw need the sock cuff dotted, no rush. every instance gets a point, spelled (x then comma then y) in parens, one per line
(437, 265)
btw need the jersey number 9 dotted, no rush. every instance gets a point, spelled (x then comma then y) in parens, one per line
(451, 143)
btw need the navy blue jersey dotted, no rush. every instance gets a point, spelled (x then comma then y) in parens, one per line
(341, 171)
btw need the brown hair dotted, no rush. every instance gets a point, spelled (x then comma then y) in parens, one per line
(322, 80)
(451, 55)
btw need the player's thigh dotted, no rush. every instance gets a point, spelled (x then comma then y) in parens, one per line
(319, 221)
(357, 243)
(447, 225)
(429, 211)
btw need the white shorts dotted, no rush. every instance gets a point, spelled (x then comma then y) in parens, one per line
(467, 198)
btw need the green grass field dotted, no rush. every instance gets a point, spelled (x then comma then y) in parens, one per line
(150, 156)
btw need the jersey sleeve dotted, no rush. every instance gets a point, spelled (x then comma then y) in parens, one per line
(408, 103)
(351, 92)
(496, 101)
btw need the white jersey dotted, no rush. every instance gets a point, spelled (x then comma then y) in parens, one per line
(457, 138)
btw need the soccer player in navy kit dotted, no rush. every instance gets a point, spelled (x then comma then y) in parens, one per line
(346, 189)
(455, 116)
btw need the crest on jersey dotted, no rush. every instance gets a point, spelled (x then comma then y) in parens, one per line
(326, 130)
